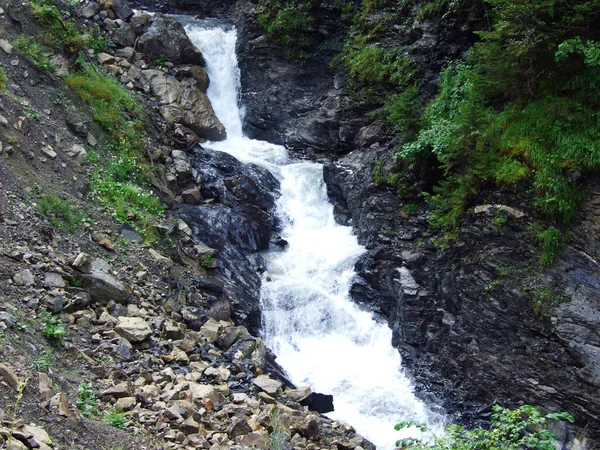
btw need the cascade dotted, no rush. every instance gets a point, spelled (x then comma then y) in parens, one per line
(321, 338)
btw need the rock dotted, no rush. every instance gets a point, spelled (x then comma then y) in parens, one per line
(160, 258)
(125, 36)
(254, 440)
(76, 126)
(104, 287)
(267, 384)
(238, 427)
(15, 444)
(167, 38)
(230, 335)
(185, 104)
(119, 391)
(171, 330)
(134, 329)
(103, 241)
(211, 330)
(39, 434)
(83, 263)
(205, 392)
(54, 280)
(49, 151)
(192, 196)
(308, 427)
(298, 394)
(127, 232)
(322, 403)
(24, 278)
(45, 385)
(78, 153)
(59, 404)
(6, 46)
(90, 10)
(105, 58)
(122, 9)
(9, 377)
(190, 426)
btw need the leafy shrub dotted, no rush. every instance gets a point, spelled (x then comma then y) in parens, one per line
(87, 402)
(43, 361)
(34, 51)
(115, 418)
(521, 428)
(59, 212)
(54, 331)
(376, 65)
(287, 22)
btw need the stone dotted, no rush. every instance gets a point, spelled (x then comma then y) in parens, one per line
(308, 427)
(54, 280)
(24, 278)
(104, 287)
(171, 330)
(205, 392)
(6, 46)
(254, 440)
(83, 262)
(15, 444)
(60, 404)
(76, 126)
(105, 58)
(125, 36)
(122, 9)
(238, 427)
(127, 232)
(160, 258)
(45, 385)
(49, 151)
(267, 384)
(125, 403)
(9, 376)
(120, 390)
(211, 330)
(192, 196)
(190, 426)
(39, 434)
(298, 394)
(134, 329)
(78, 153)
(90, 10)
(167, 38)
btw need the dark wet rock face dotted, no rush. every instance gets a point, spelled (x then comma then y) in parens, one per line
(238, 222)
(475, 322)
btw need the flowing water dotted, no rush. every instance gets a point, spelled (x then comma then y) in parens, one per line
(320, 337)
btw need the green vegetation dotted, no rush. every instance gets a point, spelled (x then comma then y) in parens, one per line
(59, 212)
(120, 180)
(34, 51)
(517, 429)
(54, 331)
(43, 361)
(288, 22)
(519, 114)
(87, 402)
(115, 418)
(207, 261)
(3, 80)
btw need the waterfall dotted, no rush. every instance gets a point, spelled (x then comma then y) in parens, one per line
(321, 338)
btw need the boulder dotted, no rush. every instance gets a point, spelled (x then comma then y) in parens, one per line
(167, 38)
(134, 329)
(184, 103)
(267, 384)
(24, 278)
(122, 9)
(104, 287)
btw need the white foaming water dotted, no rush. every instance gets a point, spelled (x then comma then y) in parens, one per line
(320, 337)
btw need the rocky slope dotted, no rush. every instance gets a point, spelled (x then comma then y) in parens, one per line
(109, 342)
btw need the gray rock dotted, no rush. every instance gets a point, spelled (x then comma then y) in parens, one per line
(54, 280)
(122, 9)
(127, 232)
(104, 287)
(121, 390)
(83, 263)
(267, 384)
(125, 36)
(24, 278)
(166, 37)
(90, 10)
(6, 46)
(105, 58)
(9, 376)
(48, 151)
(134, 329)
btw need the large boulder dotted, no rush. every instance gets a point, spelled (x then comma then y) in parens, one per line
(167, 38)
(185, 103)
